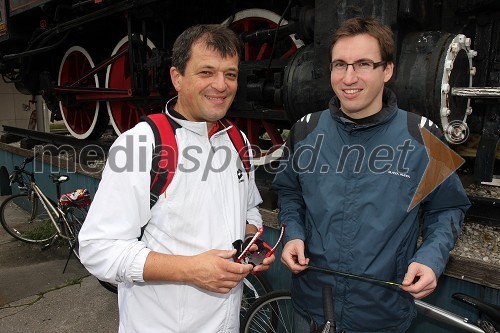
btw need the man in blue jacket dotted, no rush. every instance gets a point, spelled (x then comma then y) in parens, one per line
(347, 190)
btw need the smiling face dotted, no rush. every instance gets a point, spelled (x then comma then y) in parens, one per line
(360, 94)
(208, 86)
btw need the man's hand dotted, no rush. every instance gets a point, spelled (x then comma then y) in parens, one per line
(293, 256)
(419, 280)
(265, 264)
(215, 271)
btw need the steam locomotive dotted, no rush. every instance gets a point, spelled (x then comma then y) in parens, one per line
(101, 62)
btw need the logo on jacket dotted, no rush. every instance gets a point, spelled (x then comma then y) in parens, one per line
(398, 174)
(239, 173)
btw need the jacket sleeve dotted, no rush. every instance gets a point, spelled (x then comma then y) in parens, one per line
(109, 245)
(443, 213)
(290, 201)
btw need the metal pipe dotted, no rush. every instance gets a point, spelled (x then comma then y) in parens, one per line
(446, 317)
(35, 51)
(476, 92)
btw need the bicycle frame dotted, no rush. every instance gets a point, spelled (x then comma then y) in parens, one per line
(56, 214)
(446, 317)
(273, 318)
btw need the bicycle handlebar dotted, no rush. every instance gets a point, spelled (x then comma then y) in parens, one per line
(328, 304)
(15, 176)
(328, 310)
(28, 160)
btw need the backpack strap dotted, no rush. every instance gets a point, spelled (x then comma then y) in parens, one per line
(165, 154)
(238, 142)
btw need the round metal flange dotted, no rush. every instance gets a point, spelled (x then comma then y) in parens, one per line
(458, 71)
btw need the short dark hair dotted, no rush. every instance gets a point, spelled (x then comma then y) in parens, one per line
(215, 36)
(373, 27)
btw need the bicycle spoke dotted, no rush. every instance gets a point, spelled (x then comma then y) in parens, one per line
(271, 313)
(254, 286)
(25, 219)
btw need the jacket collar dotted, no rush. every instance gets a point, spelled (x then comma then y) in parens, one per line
(389, 108)
(198, 127)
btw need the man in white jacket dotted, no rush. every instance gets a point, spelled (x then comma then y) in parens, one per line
(180, 275)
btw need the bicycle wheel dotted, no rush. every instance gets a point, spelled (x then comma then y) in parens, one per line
(272, 312)
(75, 217)
(23, 217)
(109, 286)
(254, 286)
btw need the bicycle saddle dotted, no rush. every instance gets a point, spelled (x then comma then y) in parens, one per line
(491, 310)
(59, 178)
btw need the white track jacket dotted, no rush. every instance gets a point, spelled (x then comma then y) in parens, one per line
(205, 207)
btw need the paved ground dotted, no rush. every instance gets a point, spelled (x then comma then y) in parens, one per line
(37, 297)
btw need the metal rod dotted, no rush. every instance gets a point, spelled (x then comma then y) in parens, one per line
(478, 92)
(446, 317)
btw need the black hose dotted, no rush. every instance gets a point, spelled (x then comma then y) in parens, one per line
(8, 57)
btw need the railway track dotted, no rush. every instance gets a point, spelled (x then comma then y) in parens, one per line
(485, 199)
(484, 211)
(33, 138)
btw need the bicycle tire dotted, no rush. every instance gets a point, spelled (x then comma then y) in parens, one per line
(109, 286)
(24, 218)
(254, 286)
(270, 313)
(75, 217)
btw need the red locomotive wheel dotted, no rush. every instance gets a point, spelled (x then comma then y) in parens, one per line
(125, 114)
(81, 119)
(259, 130)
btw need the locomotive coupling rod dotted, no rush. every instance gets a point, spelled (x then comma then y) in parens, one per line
(267, 35)
(477, 92)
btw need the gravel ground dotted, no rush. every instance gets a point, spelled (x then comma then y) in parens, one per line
(479, 241)
(484, 191)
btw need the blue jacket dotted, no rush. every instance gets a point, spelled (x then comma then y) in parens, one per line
(345, 189)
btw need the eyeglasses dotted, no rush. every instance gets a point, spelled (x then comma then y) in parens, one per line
(362, 66)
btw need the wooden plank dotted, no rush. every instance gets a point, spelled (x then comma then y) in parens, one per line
(473, 270)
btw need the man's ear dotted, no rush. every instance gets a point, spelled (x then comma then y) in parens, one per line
(388, 71)
(176, 78)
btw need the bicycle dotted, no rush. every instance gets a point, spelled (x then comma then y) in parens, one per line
(30, 216)
(254, 287)
(273, 312)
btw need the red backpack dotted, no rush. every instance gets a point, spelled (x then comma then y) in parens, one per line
(165, 154)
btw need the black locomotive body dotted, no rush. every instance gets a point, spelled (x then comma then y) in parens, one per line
(97, 62)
